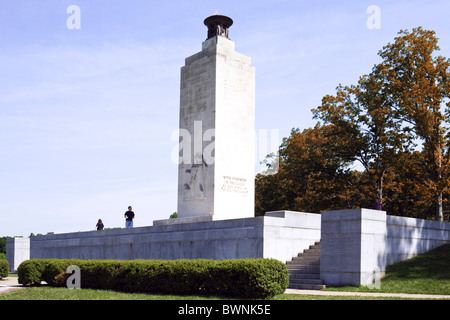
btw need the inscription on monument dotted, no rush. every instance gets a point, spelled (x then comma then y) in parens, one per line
(235, 185)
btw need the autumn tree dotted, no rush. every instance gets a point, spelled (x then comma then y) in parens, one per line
(400, 101)
(407, 187)
(395, 122)
(364, 128)
(416, 85)
(311, 177)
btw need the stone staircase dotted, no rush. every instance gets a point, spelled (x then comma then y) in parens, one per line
(304, 270)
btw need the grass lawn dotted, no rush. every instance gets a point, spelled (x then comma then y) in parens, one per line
(49, 293)
(428, 273)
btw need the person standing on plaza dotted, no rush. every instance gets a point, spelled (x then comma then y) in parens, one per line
(129, 216)
(99, 225)
(377, 205)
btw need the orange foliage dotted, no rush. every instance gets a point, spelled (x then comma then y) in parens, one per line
(378, 123)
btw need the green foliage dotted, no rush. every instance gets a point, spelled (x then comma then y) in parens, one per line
(35, 235)
(3, 244)
(312, 176)
(4, 268)
(245, 278)
(174, 215)
(30, 271)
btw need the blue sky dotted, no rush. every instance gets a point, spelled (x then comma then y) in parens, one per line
(87, 115)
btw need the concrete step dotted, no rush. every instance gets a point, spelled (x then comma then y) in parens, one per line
(311, 252)
(305, 276)
(304, 270)
(303, 260)
(305, 256)
(307, 286)
(305, 281)
(307, 266)
(312, 282)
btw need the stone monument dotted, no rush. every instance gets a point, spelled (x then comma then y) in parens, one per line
(217, 129)
(216, 197)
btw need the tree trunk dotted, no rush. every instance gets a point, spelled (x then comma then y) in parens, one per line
(440, 209)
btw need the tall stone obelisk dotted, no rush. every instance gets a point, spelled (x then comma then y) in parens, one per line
(217, 129)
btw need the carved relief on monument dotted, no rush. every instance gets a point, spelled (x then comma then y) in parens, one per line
(194, 179)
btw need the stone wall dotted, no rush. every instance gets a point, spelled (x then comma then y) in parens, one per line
(230, 239)
(407, 237)
(17, 250)
(355, 244)
(352, 246)
(279, 235)
(288, 233)
(358, 245)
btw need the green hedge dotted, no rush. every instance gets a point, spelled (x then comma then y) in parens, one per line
(244, 278)
(4, 268)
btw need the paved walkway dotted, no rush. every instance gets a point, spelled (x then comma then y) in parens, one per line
(11, 283)
(8, 284)
(366, 294)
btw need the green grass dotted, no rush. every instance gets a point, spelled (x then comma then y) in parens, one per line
(428, 273)
(49, 293)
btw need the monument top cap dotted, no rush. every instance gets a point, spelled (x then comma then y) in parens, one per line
(218, 26)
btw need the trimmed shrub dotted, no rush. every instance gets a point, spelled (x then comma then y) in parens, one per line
(30, 271)
(4, 268)
(244, 278)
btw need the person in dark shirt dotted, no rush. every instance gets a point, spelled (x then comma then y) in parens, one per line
(99, 225)
(377, 205)
(129, 216)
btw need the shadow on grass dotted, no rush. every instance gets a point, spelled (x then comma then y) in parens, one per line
(428, 273)
(434, 264)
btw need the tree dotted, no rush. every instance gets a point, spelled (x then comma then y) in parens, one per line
(311, 177)
(416, 86)
(405, 191)
(395, 121)
(3, 245)
(364, 128)
(271, 193)
(400, 101)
